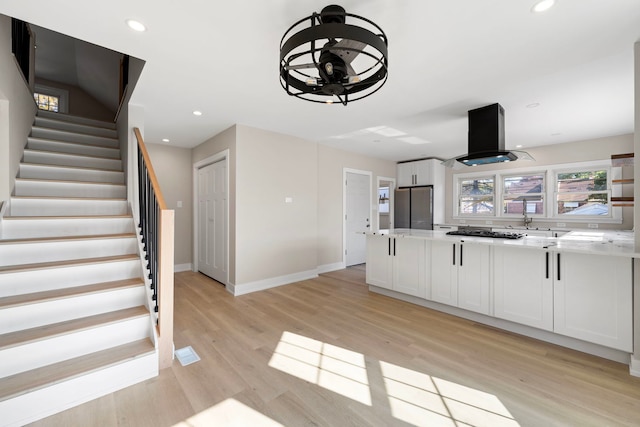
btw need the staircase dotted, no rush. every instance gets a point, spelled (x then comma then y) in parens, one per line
(74, 321)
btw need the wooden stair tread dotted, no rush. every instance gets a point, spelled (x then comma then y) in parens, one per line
(9, 218)
(47, 165)
(25, 336)
(73, 132)
(55, 294)
(25, 382)
(67, 238)
(68, 198)
(78, 144)
(67, 181)
(59, 153)
(56, 264)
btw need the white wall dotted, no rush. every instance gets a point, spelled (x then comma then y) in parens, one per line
(81, 103)
(579, 151)
(17, 110)
(274, 238)
(175, 183)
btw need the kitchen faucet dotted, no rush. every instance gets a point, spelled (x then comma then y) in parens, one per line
(526, 218)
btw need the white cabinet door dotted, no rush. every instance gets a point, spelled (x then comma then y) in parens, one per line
(593, 299)
(423, 172)
(444, 272)
(409, 266)
(523, 286)
(473, 277)
(379, 261)
(405, 172)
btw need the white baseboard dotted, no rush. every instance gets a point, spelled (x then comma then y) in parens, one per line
(331, 267)
(261, 285)
(182, 267)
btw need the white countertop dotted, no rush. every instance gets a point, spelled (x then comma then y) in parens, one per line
(610, 242)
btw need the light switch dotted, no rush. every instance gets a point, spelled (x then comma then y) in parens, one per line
(179, 203)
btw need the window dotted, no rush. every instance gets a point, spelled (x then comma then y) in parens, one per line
(583, 192)
(523, 192)
(476, 196)
(47, 102)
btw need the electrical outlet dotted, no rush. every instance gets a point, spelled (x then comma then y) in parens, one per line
(561, 224)
(593, 225)
(179, 204)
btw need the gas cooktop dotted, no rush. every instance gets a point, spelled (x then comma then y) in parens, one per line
(474, 232)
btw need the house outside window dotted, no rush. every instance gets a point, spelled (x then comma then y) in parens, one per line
(476, 195)
(47, 102)
(583, 192)
(523, 192)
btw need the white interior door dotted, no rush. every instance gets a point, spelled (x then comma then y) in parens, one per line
(357, 221)
(212, 221)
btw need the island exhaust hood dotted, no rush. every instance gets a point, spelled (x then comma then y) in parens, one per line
(486, 139)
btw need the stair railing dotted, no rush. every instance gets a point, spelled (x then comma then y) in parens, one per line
(156, 224)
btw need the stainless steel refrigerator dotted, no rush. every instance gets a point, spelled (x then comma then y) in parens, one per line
(414, 207)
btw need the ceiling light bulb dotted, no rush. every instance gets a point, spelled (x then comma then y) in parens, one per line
(136, 25)
(518, 146)
(329, 102)
(542, 5)
(197, 113)
(354, 79)
(311, 81)
(329, 67)
(165, 140)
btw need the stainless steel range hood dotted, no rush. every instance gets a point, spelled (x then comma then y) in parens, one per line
(486, 139)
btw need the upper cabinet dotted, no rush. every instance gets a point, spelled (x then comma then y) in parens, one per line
(420, 172)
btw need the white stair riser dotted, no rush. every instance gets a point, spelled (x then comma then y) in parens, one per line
(61, 207)
(72, 148)
(75, 127)
(60, 135)
(75, 119)
(69, 189)
(27, 253)
(41, 403)
(67, 346)
(32, 228)
(66, 159)
(60, 310)
(69, 174)
(25, 282)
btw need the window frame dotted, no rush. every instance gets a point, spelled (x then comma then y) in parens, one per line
(609, 191)
(550, 199)
(543, 193)
(459, 195)
(61, 94)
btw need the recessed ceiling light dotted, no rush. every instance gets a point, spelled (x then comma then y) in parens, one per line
(165, 140)
(197, 113)
(533, 105)
(136, 25)
(519, 146)
(542, 5)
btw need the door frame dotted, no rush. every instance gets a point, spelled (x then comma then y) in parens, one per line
(392, 188)
(345, 171)
(220, 156)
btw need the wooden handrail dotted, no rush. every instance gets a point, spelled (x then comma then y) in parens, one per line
(152, 174)
(161, 257)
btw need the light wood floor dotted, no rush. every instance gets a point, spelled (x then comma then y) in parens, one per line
(347, 357)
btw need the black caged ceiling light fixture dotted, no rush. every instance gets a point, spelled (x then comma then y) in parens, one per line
(325, 59)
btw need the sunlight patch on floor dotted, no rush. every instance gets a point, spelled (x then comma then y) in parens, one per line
(413, 397)
(229, 413)
(337, 369)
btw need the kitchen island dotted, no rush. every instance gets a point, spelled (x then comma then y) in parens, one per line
(575, 290)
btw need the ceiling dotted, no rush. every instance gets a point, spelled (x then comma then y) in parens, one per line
(445, 57)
